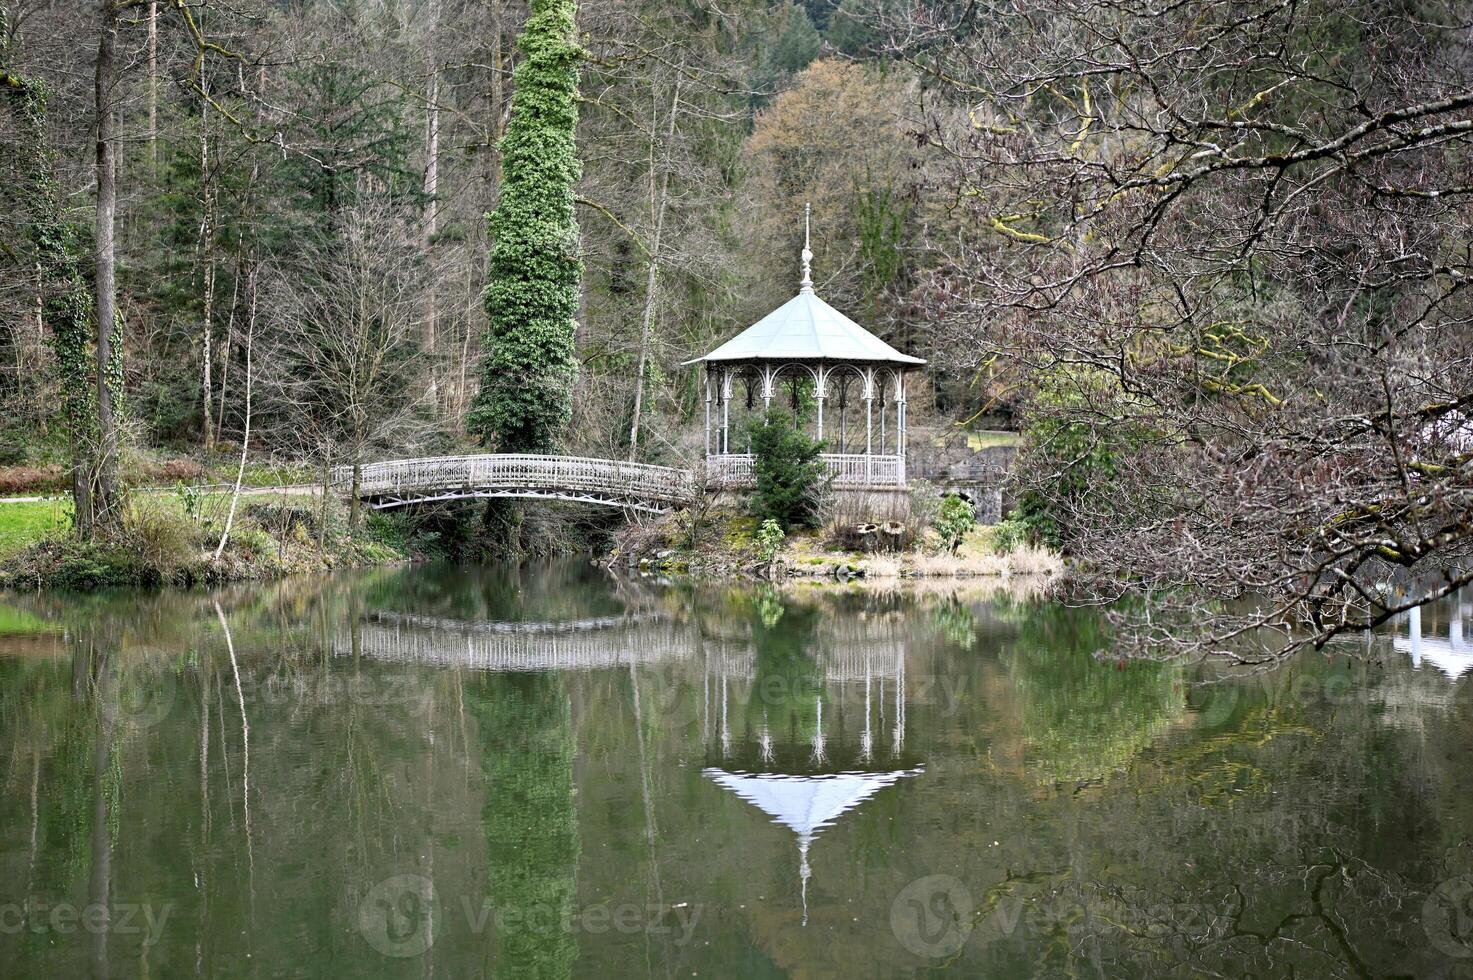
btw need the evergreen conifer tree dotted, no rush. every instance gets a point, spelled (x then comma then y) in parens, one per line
(789, 471)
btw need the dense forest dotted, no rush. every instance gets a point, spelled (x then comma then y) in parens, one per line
(1211, 259)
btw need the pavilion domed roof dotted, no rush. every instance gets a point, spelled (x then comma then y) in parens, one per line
(805, 328)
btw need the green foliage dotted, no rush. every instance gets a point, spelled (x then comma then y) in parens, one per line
(880, 217)
(527, 356)
(799, 42)
(790, 475)
(769, 539)
(190, 499)
(856, 27)
(1010, 534)
(407, 533)
(290, 522)
(357, 135)
(1073, 435)
(252, 542)
(953, 520)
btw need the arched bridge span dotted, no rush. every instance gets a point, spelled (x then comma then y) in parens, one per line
(610, 483)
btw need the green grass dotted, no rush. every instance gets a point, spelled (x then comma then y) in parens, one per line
(23, 524)
(991, 438)
(265, 474)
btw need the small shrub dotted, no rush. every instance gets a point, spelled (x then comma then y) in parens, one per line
(954, 519)
(925, 503)
(1010, 535)
(1077, 430)
(15, 443)
(190, 501)
(74, 565)
(160, 540)
(790, 475)
(86, 573)
(769, 539)
(252, 541)
(283, 520)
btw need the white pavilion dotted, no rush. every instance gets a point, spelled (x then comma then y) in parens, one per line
(832, 373)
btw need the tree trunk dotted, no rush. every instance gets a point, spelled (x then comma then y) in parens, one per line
(431, 186)
(66, 305)
(207, 258)
(40, 390)
(658, 201)
(226, 350)
(153, 84)
(355, 505)
(105, 499)
(245, 439)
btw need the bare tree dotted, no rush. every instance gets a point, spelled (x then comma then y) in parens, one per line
(1220, 253)
(345, 369)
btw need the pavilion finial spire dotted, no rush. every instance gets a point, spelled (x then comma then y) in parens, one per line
(807, 283)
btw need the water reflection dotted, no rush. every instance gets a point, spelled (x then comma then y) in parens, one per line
(802, 772)
(545, 772)
(1454, 655)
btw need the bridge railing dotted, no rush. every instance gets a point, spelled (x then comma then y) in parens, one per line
(566, 473)
(849, 470)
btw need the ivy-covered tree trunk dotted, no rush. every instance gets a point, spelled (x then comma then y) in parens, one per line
(66, 306)
(527, 356)
(105, 487)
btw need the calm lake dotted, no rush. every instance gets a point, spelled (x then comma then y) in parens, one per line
(549, 772)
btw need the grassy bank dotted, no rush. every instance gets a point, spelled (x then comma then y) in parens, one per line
(172, 539)
(726, 546)
(25, 523)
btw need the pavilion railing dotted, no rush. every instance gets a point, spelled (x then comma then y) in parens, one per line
(850, 471)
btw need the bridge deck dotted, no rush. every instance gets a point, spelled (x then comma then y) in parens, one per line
(637, 486)
(612, 483)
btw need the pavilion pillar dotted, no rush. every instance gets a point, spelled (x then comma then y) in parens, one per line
(869, 424)
(725, 411)
(900, 442)
(819, 391)
(884, 441)
(708, 411)
(900, 425)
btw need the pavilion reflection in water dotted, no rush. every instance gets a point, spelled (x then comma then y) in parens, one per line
(1453, 655)
(802, 769)
(804, 745)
